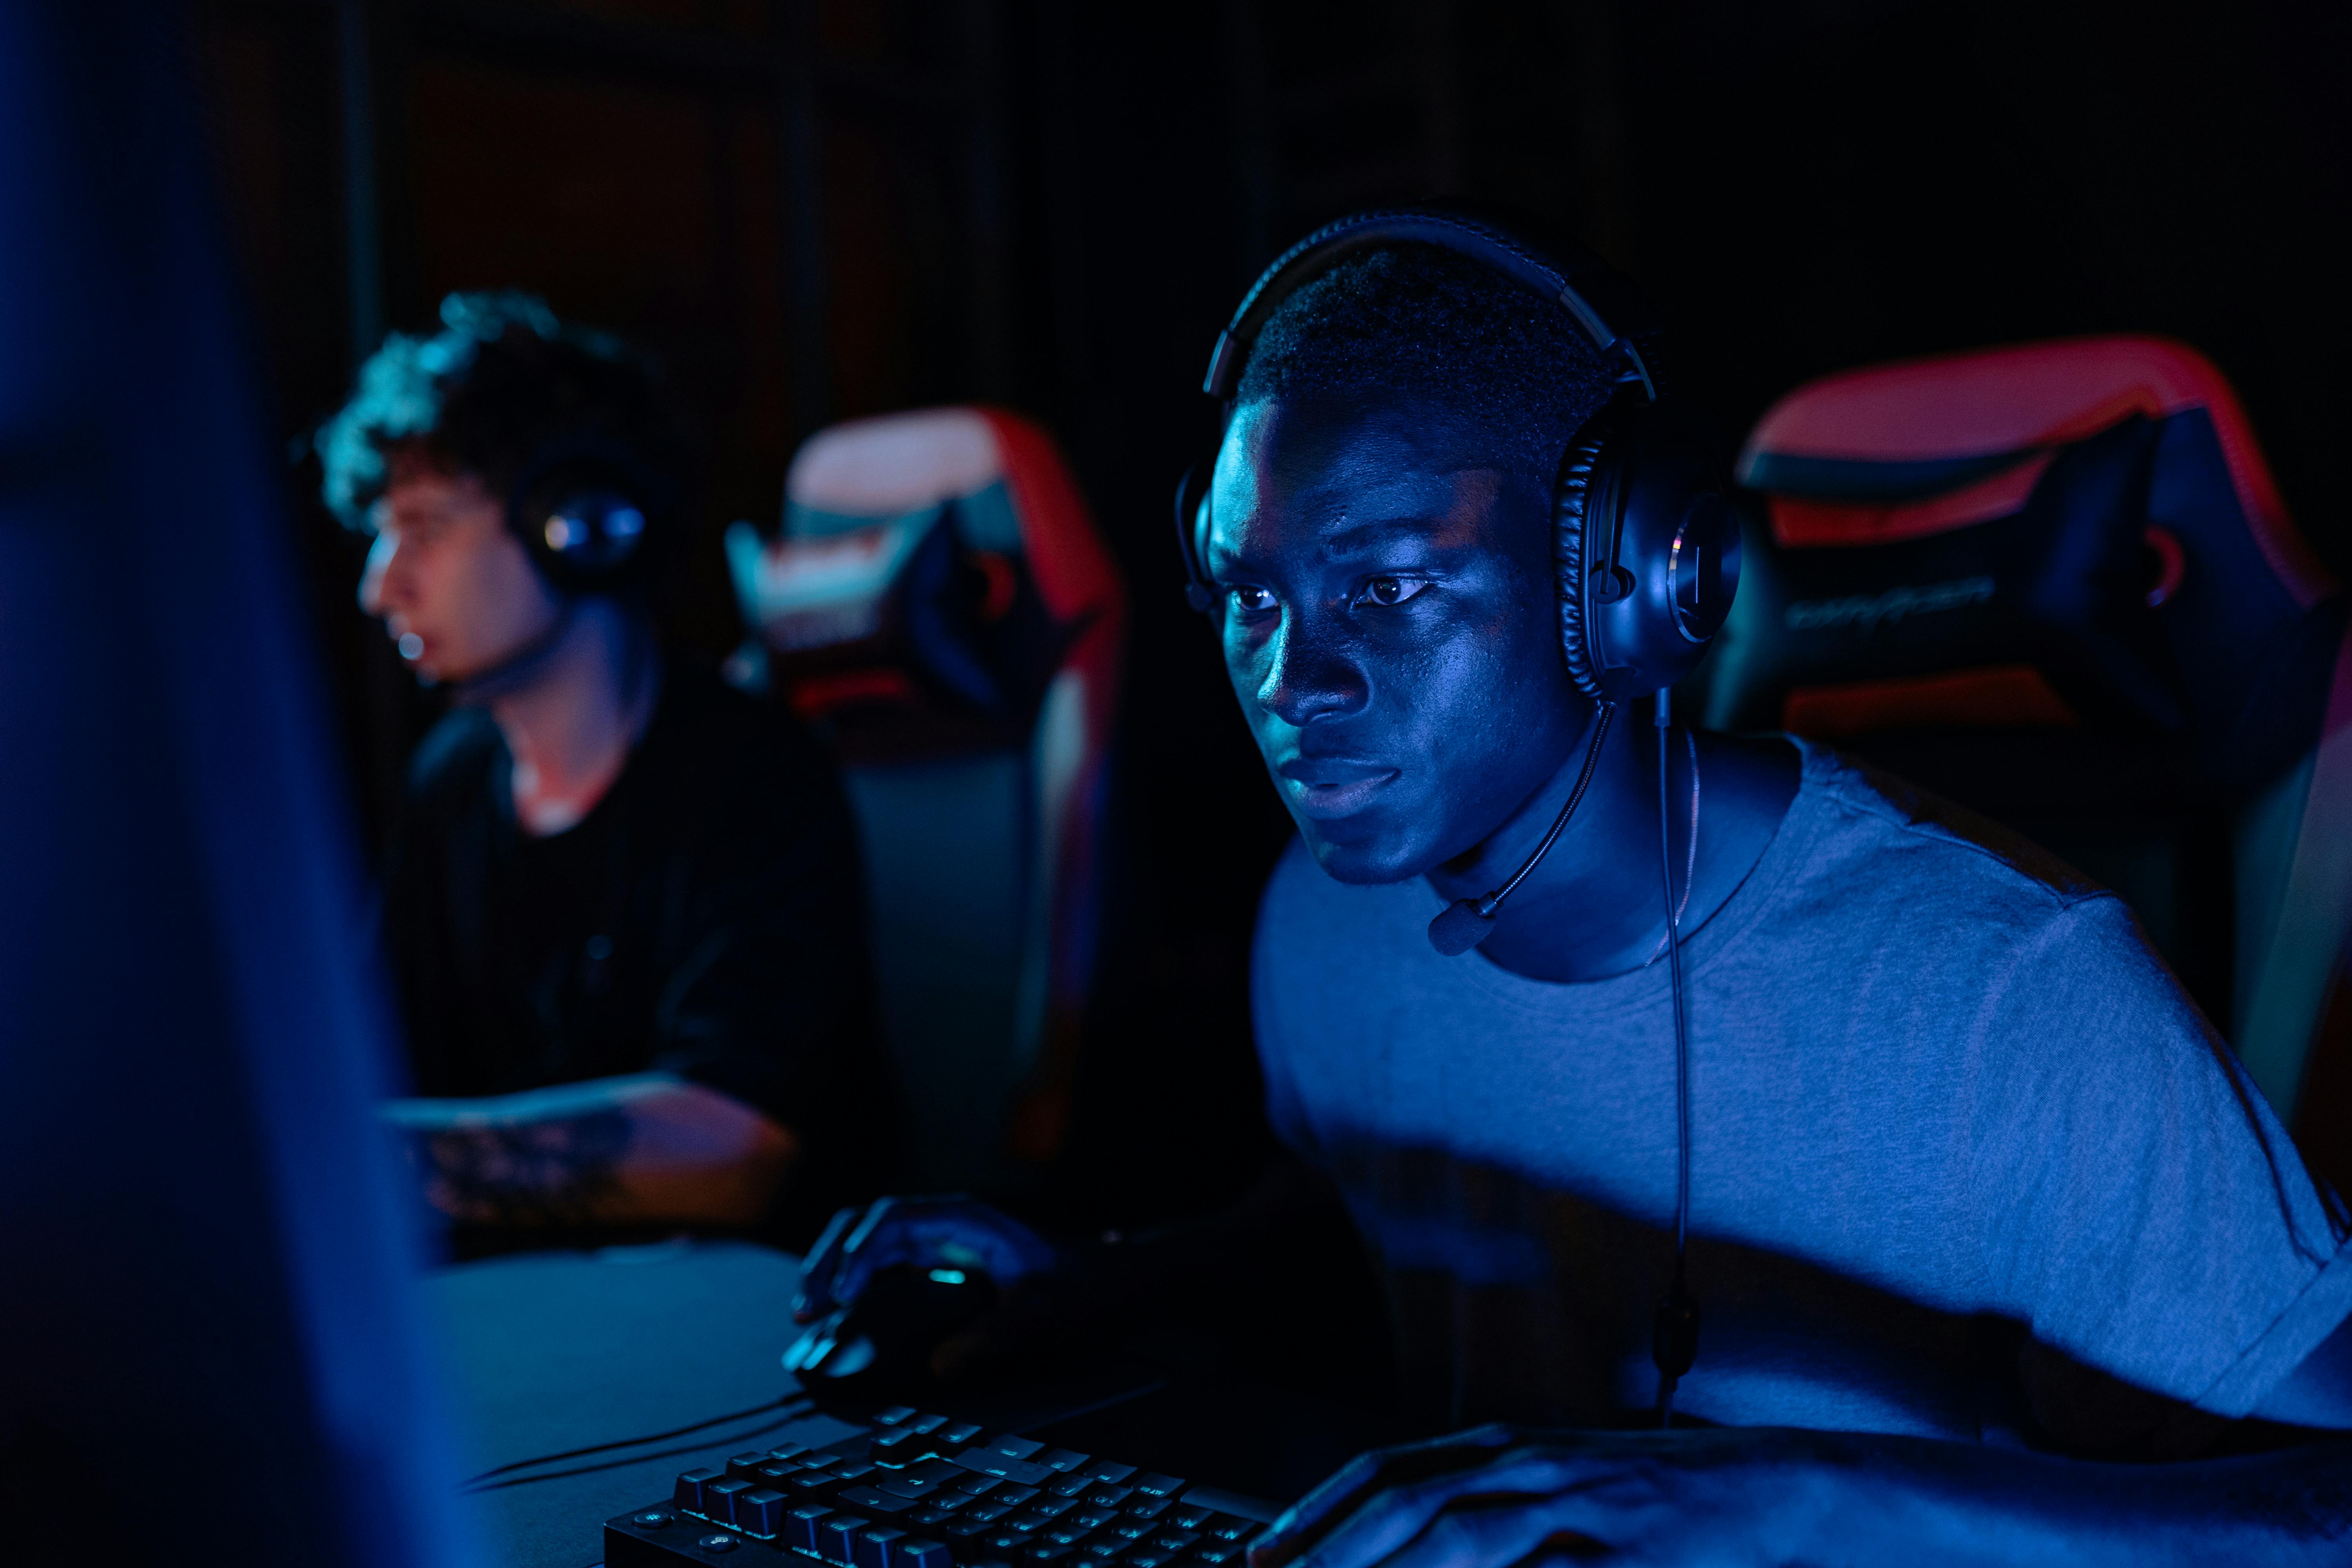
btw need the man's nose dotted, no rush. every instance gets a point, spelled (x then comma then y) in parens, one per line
(1309, 672)
(372, 575)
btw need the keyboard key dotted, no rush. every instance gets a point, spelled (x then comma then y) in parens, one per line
(1146, 1557)
(851, 1471)
(1015, 1494)
(760, 1510)
(800, 1525)
(1103, 1546)
(1012, 1447)
(906, 1485)
(1109, 1497)
(928, 1517)
(812, 1482)
(1006, 1540)
(873, 1545)
(1143, 1505)
(892, 1438)
(1189, 1516)
(875, 1500)
(1044, 1551)
(687, 1493)
(783, 1451)
(916, 1552)
(1159, 1486)
(896, 1413)
(963, 1527)
(1176, 1539)
(1225, 1527)
(977, 1485)
(777, 1477)
(1110, 1474)
(1070, 1486)
(836, 1538)
(1130, 1528)
(1030, 1520)
(1093, 1517)
(744, 1466)
(1217, 1553)
(960, 1432)
(1066, 1534)
(926, 1424)
(993, 1462)
(987, 1512)
(719, 1498)
(1062, 1459)
(1052, 1507)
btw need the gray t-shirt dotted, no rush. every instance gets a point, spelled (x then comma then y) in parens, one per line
(1951, 1117)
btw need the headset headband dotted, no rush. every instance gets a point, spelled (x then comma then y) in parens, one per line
(1604, 303)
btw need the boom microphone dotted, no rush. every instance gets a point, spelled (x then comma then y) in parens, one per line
(1465, 922)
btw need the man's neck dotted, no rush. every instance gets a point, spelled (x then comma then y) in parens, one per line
(571, 719)
(1596, 905)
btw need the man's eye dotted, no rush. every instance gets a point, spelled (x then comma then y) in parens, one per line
(1389, 590)
(1253, 601)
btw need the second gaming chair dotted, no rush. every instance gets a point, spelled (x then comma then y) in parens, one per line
(939, 606)
(2055, 583)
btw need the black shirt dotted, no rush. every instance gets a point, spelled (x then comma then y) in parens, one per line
(706, 918)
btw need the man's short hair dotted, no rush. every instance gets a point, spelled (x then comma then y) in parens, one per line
(502, 379)
(1419, 323)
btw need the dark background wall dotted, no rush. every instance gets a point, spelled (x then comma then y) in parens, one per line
(818, 210)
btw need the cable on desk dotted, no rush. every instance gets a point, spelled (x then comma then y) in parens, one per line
(702, 1447)
(798, 1400)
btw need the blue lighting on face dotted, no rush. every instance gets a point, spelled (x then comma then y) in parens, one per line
(948, 1276)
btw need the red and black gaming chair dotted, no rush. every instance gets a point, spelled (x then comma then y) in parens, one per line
(2055, 583)
(939, 606)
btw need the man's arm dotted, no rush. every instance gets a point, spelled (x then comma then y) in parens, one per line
(645, 1150)
(1496, 1496)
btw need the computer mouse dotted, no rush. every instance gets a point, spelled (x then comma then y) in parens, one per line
(884, 1340)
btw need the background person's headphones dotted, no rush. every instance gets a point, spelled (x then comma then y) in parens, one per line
(585, 508)
(1644, 544)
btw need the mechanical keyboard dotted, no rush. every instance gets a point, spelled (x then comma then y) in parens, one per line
(921, 1491)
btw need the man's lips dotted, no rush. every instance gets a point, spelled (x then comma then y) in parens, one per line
(1327, 788)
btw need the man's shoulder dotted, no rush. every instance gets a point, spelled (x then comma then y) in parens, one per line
(745, 759)
(1879, 829)
(453, 760)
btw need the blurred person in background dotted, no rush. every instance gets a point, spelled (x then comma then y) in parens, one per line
(623, 908)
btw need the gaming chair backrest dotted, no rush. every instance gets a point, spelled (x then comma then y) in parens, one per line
(939, 606)
(2055, 583)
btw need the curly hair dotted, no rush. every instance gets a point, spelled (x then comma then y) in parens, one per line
(501, 379)
(1417, 322)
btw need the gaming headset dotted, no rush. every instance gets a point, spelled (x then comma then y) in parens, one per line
(582, 506)
(1645, 552)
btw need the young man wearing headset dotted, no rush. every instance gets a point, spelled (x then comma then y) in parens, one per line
(622, 903)
(1970, 1185)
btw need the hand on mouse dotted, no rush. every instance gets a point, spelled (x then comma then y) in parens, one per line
(950, 1232)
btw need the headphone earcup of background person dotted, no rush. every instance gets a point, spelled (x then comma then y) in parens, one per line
(1647, 549)
(586, 509)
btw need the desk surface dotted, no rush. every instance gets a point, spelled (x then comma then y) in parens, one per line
(553, 1351)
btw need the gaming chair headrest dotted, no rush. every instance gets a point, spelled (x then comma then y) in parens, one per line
(933, 572)
(2079, 533)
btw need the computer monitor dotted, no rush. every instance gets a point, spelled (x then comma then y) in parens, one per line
(208, 1346)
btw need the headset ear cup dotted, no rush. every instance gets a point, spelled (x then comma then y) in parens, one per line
(1582, 473)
